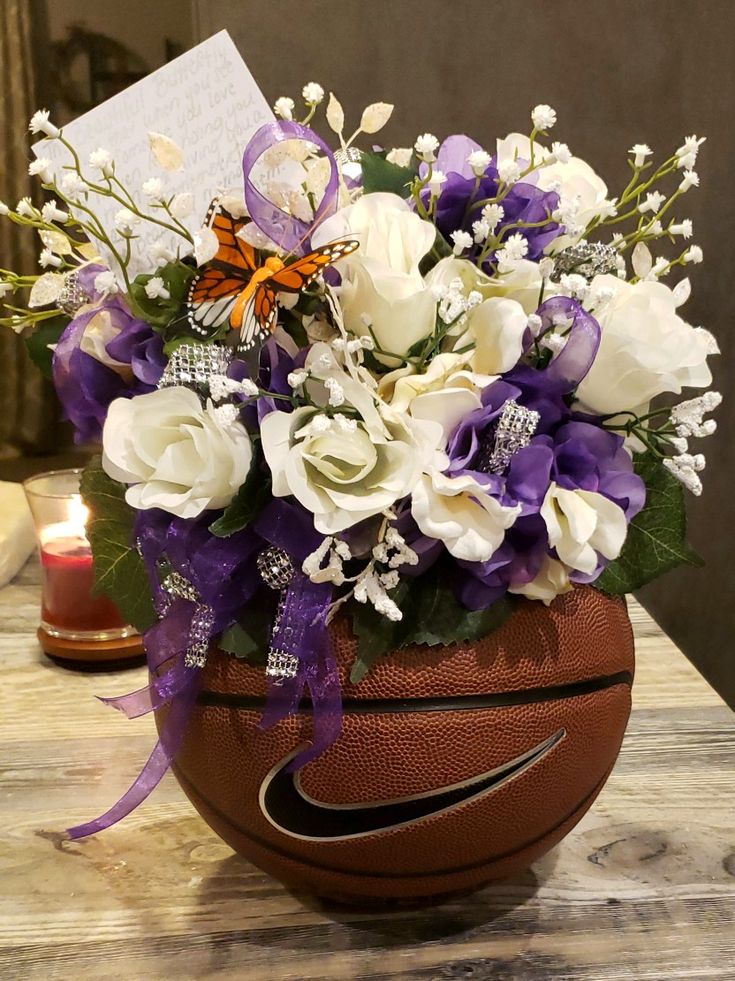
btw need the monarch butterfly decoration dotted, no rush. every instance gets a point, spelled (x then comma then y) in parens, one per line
(234, 288)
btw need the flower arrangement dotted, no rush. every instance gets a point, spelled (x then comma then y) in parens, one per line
(413, 387)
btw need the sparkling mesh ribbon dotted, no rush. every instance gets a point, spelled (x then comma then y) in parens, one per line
(301, 632)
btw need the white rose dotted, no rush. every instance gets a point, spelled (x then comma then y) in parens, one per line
(178, 455)
(338, 468)
(551, 581)
(459, 512)
(445, 393)
(645, 349)
(582, 523)
(576, 182)
(382, 287)
(522, 283)
(451, 268)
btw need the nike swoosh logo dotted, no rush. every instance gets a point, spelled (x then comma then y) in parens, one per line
(287, 806)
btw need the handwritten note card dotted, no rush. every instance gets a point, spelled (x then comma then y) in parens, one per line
(206, 100)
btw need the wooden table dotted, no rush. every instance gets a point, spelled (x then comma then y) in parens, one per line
(643, 888)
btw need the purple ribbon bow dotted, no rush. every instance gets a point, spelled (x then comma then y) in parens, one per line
(222, 580)
(291, 234)
(570, 366)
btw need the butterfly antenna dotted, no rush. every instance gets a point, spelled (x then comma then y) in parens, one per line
(310, 231)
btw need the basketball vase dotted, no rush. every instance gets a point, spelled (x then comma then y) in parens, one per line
(456, 765)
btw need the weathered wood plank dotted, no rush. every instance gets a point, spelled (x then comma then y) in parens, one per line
(643, 888)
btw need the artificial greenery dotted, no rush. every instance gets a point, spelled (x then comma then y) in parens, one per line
(431, 615)
(157, 311)
(378, 174)
(38, 341)
(656, 539)
(119, 571)
(249, 501)
(248, 637)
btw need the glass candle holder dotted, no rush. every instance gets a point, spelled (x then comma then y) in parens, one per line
(68, 609)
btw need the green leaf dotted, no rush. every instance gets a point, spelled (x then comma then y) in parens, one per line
(248, 637)
(159, 313)
(656, 539)
(119, 570)
(246, 504)
(434, 616)
(376, 634)
(431, 615)
(380, 175)
(37, 343)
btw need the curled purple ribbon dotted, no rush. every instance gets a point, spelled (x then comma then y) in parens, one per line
(571, 365)
(179, 691)
(212, 566)
(290, 233)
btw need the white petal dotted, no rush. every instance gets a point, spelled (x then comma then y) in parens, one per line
(335, 114)
(375, 116)
(167, 153)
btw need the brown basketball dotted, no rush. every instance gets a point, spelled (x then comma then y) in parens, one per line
(455, 766)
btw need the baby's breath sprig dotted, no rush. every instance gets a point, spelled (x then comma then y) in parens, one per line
(114, 188)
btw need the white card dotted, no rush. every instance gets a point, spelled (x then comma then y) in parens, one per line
(206, 100)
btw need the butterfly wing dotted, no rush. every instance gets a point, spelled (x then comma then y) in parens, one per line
(259, 319)
(213, 292)
(233, 250)
(210, 299)
(299, 274)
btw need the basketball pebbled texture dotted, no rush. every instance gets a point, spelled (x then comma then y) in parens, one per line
(537, 709)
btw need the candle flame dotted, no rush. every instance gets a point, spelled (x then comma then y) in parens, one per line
(78, 515)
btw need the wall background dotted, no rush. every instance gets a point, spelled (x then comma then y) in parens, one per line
(618, 72)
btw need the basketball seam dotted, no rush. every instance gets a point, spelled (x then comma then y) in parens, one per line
(369, 706)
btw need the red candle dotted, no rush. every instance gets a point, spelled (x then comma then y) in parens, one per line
(68, 578)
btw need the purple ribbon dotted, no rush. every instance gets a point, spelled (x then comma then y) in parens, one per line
(288, 232)
(223, 573)
(178, 689)
(571, 365)
(211, 566)
(302, 631)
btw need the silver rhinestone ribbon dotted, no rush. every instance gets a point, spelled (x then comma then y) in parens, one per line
(71, 296)
(514, 431)
(177, 586)
(588, 259)
(192, 366)
(276, 570)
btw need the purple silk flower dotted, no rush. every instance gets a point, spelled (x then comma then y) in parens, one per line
(460, 200)
(578, 455)
(85, 385)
